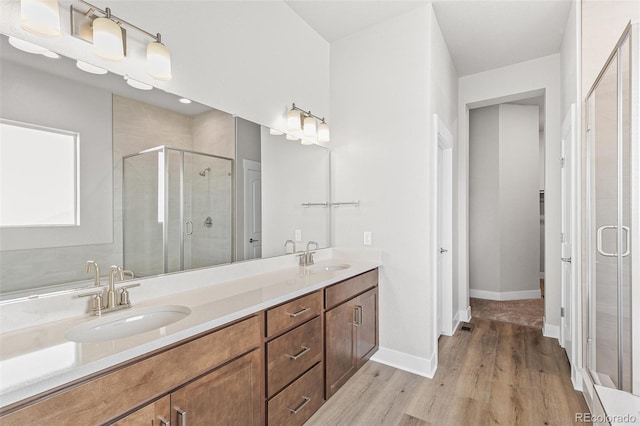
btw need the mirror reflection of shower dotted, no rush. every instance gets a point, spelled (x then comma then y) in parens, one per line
(174, 219)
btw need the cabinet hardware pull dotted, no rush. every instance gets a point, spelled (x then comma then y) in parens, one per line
(163, 421)
(298, 313)
(182, 416)
(299, 354)
(301, 406)
(358, 315)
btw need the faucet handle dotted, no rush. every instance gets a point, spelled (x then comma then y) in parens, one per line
(124, 295)
(96, 302)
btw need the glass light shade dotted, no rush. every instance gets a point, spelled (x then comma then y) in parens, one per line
(309, 129)
(40, 17)
(92, 69)
(323, 132)
(293, 121)
(158, 61)
(107, 39)
(292, 137)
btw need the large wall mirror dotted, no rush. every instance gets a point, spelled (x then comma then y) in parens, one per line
(153, 183)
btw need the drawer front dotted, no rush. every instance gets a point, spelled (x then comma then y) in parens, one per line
(291, 354)
(294, 405)
(347, 289)
(293, 313)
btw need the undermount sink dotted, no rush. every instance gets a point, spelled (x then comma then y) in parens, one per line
(127, 323)
(327, 268)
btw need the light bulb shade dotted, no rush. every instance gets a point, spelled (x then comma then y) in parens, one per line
(40, 17)
(293, 121)
(107, 39)
(158, 61)
(323, 132)
(309, 129)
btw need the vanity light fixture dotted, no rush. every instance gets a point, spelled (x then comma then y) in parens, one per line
(109, 37)
(137, 84)
(310, 129)
(90, 68)
(40, 17)
(29, 47)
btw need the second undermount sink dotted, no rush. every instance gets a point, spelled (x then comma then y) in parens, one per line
(328, 268)
(127, 323)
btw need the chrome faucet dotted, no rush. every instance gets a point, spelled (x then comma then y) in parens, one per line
(113, 303)
(292, 242)
(306, 257)
(96, 271)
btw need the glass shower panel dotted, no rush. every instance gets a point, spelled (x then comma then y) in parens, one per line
(174, 227)
(625, 215)
(143, 213)
(604, 131)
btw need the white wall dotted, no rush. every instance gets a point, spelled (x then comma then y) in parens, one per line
(496, 86)
(249, 58)
(383, 155)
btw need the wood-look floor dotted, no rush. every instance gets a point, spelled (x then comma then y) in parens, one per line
(497, 374)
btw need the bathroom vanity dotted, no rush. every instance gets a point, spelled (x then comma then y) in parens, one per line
(294, 337)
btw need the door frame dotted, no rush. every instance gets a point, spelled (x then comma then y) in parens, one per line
(246, 166)
(445, 322)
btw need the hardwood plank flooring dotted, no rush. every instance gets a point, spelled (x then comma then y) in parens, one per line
(497, 374)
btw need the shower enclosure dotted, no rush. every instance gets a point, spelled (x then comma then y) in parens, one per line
(177, 210)
(612, 219)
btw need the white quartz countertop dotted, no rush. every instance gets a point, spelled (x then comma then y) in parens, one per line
(37, 359)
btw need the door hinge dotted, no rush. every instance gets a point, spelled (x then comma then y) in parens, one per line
(562, 163)
(561, 312)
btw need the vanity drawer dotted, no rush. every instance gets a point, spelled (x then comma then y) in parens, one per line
(291, 354)
(293, 313)
(298, 402)
(347, 289)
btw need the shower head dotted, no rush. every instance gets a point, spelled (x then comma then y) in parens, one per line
(203, 172)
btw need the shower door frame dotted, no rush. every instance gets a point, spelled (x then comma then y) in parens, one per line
(631, 33)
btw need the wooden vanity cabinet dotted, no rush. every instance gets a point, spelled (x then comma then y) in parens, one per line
(351, 328)
(155, 414)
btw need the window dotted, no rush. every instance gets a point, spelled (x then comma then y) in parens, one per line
(38, 176)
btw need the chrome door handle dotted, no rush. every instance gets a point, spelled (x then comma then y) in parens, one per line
(566, 259)
(443, 250)
(599, 240)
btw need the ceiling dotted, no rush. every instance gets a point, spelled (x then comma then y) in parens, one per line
(480, 34)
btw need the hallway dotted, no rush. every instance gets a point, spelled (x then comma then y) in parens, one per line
(497, 373)
(529, 312)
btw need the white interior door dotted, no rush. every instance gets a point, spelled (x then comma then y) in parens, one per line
(568, 136)
(252, 209)
(445, 314)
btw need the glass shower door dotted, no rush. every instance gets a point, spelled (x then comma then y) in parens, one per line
(609, 181)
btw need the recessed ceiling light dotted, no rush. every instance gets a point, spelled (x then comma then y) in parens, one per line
(137, 84)
(185, 100)
(29, 47)
(87, 67)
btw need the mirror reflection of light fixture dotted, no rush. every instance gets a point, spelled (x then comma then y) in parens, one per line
(137, 84)
(107, 38)
(158, 60)
(310, 131)
(40, 17)
(87, 67)
(29, 47)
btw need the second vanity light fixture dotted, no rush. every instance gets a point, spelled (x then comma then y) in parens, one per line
(302, 124)
(109, 37)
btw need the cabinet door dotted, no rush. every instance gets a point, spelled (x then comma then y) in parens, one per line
(340, 346)
(155, 414)
(229, 395)
(366, 325)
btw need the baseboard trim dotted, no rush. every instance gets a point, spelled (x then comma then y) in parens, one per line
(464, 315)
(410, 363)
(550, 330)
(505, 295)
(576, 378)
